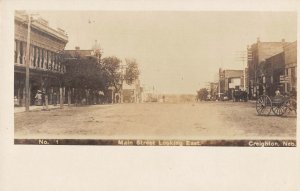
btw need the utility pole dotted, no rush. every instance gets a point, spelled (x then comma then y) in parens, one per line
(123, 72)
(27, 62)
(27, 99)
(220, 78)
(242, 57)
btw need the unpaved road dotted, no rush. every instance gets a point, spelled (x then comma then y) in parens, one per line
(201, 121)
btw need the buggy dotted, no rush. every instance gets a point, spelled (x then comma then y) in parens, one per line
(278, 104)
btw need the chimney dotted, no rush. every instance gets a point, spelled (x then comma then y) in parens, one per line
(77, 48)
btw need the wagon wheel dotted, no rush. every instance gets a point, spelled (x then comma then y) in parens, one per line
(279, 108)
(290, 105)
(263, 105)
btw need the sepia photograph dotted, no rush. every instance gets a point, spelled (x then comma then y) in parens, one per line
(155, 78)
(149, 95)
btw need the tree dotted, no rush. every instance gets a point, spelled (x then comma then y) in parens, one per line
(202, 94)
(132, 71)
(84, 72)
(111, 70)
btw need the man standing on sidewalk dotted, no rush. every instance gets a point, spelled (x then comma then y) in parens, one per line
(38, 98)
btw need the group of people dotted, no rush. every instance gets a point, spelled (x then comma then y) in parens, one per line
(40, 98)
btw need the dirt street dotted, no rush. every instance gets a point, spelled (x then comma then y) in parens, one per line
(202, 121)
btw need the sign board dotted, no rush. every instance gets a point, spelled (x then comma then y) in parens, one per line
(234, 82)
(284, 79)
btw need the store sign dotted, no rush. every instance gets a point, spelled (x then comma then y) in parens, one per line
(284, 79)
(234, 82)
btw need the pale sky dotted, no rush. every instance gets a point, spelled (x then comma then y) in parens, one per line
(177, 51)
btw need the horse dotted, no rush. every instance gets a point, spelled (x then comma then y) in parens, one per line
(239, 95)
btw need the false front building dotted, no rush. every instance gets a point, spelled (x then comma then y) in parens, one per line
(273, 67)
(230, 80)
(290, 58)
(257, 55)
(45, 65)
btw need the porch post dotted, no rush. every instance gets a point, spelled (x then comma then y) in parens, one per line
(61, 97)
(69, 97)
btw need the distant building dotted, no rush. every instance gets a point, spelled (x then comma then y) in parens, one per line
(257, 54)
(213, 90)
(132, 93)
(46, 67)
(149, 94)
(77, 53)
(230, 80)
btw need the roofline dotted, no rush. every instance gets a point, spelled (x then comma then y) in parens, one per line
(46, 29)
(79, 50)
(256, 43)
(231, 70)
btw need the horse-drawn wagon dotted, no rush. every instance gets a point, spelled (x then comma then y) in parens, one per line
(278, 104)
(239, 95)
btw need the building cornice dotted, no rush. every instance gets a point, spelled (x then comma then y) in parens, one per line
(43, 28)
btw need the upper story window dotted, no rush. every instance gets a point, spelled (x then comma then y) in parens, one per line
(16, 53)
(21, 53)
(34, 56)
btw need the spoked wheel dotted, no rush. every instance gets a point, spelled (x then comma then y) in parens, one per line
(263, 105)
(290, 106)
(279, 109)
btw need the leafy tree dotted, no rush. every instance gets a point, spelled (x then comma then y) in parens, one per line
(202, 94)
(84, 72)
(111, 72)
(132, 71)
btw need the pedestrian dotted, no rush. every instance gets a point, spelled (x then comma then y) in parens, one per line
(117, 98)
(38, 98)
(16, 101)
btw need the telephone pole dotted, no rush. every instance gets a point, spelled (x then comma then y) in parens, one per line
(27, 99)
(27, 63)
(242, 57)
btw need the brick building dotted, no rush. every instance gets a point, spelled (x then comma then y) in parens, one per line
(45, 65)
(257, 54)
(290, 57)
(273, 68)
